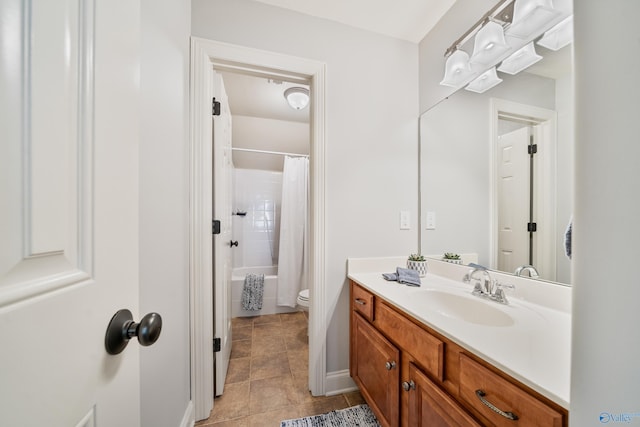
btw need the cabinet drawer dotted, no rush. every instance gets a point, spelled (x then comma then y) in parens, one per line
(503, 396)
(423, 346)
(362, 301)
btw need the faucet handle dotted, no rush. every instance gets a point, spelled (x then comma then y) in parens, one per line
(502, 286)
(499, 296)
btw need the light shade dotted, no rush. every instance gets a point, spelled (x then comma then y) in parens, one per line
(530, 17)
(559, 36)
(489, 44)
(297, 97)
(456, 69)
(521, 59)
(485, 81)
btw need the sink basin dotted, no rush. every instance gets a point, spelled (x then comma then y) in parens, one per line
(462, 307)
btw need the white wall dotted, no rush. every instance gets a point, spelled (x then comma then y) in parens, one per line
(371, 116)
(260, 133)
(164, 250)
(606, 343)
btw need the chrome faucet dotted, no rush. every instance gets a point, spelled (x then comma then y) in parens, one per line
(485, 286)
(533, 273)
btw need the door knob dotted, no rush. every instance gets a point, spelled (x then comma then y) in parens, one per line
(122, 328)
(233, 243)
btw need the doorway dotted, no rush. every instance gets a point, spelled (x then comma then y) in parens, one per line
(523, 157)
(205, 56)
(260, 186)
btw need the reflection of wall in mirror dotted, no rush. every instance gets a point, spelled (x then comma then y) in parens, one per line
(455, 156)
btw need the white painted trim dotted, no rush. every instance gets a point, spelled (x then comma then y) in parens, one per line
(200, 270)
(203, 54)
(188, 419)
(547, 164)
(339, 382)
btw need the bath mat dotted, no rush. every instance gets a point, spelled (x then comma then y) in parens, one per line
(355, 416)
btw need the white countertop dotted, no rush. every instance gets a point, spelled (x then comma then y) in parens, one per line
(535, 349)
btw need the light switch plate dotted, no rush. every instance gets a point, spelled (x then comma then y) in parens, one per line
(405, 220)
(431, 221)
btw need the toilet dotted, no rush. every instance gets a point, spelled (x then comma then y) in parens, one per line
(303, 299)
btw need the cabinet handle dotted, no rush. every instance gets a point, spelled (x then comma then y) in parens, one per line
(509, 415)
(409, 385)
(390, 365)
(360, 301)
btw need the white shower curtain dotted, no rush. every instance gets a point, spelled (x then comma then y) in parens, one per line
(294, 239)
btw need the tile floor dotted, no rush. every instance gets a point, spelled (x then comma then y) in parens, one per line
(268, 375)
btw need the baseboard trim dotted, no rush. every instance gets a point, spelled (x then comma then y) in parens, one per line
(188, 419)
(339, 382)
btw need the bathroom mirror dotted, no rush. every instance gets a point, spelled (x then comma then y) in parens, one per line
(481, 191)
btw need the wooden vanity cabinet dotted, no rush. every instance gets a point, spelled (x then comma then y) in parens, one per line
(412, 376)
(374, 367)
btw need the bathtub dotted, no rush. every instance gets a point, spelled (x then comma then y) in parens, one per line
(269, 297)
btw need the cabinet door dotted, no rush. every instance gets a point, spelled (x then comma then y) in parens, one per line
(429, 406)
(376, 370)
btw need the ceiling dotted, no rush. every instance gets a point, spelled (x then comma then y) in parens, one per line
(408, 20)
(261, 97)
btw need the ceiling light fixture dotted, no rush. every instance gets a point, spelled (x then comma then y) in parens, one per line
(530, 17)
(489, 44)
(297, 97)
(486, 81)
(505, 34)
(559, 36)
(521, 59)
(457, 69)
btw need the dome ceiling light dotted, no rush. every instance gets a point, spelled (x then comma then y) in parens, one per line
(297, 97)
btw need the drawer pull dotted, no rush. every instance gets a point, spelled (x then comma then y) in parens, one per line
(360, 301)
(390, 365)
(408, 385)
(509, 415)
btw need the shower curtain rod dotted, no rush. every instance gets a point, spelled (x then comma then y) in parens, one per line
(279, 153)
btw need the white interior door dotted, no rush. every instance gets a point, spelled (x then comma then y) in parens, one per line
(513, 200)
(68, 226)
(222, 185)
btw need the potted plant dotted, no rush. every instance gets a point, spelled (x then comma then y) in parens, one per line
(419, 263)
(452, 258)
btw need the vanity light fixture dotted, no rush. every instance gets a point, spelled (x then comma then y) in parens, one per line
(530, 17)
(489, 44)
(508, 28)
(521, 59)
(486, 81)
(297, 97)
(559, 36)
(457, 69)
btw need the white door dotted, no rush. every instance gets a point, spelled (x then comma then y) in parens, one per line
(513, 199)
(69, 210)
(222, 183)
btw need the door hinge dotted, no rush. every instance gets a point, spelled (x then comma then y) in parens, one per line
(532, 149)
(215, 226)
(532, 227)
(215, 107)
(216, 345)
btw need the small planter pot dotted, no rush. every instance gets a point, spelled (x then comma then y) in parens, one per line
(452, 261)
(419, 266)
